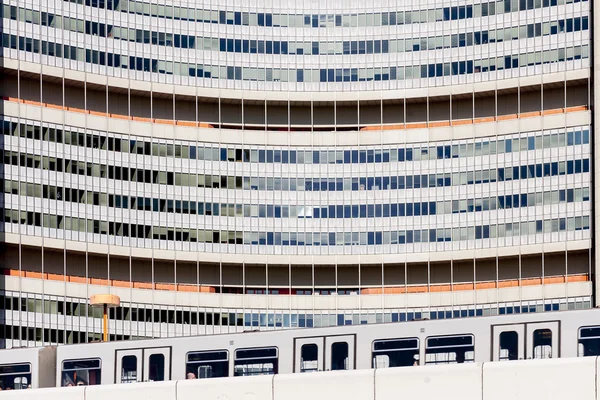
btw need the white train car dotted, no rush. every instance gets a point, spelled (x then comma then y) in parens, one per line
(482, 339)
(27, 368)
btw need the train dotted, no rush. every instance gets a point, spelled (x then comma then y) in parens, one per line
(560, 334)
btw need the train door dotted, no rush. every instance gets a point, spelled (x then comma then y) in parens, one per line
(143, 365)
(324, 353)
(543, 339)
(129, 366)
(339, 351)
(309, 354)
(509, 342)
(157, 364)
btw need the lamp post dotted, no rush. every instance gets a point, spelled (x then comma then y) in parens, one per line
(105, 301)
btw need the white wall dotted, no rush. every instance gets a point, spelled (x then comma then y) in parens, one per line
(553, 379)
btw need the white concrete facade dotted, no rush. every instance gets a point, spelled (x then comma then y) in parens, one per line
(225, 166)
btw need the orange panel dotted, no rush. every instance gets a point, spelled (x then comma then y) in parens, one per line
(165, 286)
(122, 284)
(119, 116)
(418, 125)
(484, 120)
(462, 122)
(56, 277)
(142, 119)
(577, 278)
(98, 113)
(101, 282)
(142, 285)
(553, 111)
(530, 114)
(77, 279)
(187, 123)
(439, 124)
(187, 288)
(507, 117)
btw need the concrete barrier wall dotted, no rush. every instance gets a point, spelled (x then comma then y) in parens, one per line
(556, 379)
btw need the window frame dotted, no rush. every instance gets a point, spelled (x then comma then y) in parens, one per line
(63, 370)
(374, 352)
(428, 347)
(198, 364)
(275, 364)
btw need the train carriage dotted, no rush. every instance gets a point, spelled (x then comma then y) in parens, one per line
(427, 342)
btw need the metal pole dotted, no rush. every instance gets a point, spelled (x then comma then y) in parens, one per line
(105, 324)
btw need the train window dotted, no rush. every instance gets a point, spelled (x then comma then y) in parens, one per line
(542, 343)
(15, 376)
(450, 350)
(339, 356)
(156, 372)
(509, 346)
(309, 358)
(260, 361)
(207, 364)
(395, 353)
(81, 372)
(589, 341)
(129, 369)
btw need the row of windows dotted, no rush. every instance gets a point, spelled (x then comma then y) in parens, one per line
(141, 231)
(299, 48)
(541, 170)
(165, 314)
(295, 75)
(290, 211)
(323, 20)
(528, 142)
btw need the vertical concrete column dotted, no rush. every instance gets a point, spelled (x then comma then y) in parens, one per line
(596, 148)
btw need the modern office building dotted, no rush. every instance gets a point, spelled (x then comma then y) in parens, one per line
(228, 165)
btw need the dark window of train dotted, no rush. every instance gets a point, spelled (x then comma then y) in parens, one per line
(81, 372)
(395, 353)
(15, 376)
(450, 350)
(156, 371)
(339, 356)
(309, 358)
(262, 361)
(542, 343)
(509, 346)
(589, 341)
(207, 364)
(129, 369)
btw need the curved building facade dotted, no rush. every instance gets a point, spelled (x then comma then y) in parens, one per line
(226, 166)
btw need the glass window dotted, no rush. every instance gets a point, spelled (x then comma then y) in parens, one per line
(339, 356)
(129, 369)
(542, 343)
(450, 350)
(15, 376)
(81, 372)
(257, 361)
(589, 341)
(509, 346)
(309, 360)
(395, 353)
(156, 370)
(207, 364)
